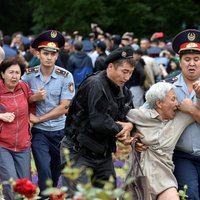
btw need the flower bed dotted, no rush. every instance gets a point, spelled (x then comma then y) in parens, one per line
(27, 190)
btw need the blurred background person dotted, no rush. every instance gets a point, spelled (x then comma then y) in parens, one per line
(151, 65)
(79, 63)
(2, 54)
(1, 38)
(31, 58)
(115, 41)
(16, 42)
(172, 70)
(136, 81)
(100, 60)
(9, 51)
(145, 43)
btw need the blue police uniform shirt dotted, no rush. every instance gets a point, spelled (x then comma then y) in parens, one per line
(58, 87)
(189, 142)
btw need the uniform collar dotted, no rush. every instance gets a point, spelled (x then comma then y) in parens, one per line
(181, 84)
(180, 81)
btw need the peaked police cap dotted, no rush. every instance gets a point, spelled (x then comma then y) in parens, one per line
(50, 40)
(187, 40)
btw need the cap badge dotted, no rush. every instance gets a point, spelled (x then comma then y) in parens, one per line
(192, 45)
(191, 36)
(51, 45)
(124, 54)
(53, 34)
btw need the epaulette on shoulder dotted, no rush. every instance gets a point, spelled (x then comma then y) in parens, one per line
(32, 70)
(171, 79)
(62, 72)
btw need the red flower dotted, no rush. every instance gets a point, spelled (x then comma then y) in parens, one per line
(60, 196)
(26, 187)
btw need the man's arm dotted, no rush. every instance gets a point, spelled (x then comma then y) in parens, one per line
(189, 107)
(56, 112)
(40, 95)
(125, 136)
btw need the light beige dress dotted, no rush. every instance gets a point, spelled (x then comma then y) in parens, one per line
(161, 138)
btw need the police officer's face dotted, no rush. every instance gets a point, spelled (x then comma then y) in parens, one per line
(120, 74)
(190, 65)
(47, 58)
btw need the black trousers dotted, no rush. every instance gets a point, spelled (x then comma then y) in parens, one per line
(102, 167)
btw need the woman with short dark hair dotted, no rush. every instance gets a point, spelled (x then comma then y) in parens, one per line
(15, 137)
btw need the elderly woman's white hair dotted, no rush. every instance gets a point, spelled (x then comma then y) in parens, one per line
(158, 91)
(2, 55)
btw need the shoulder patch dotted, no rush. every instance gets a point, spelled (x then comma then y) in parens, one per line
(32, 70)
(62, 72)
(71, 87)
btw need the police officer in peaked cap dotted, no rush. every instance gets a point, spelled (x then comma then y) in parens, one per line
(187, 41)
(186, 155)
(50, 40)
(54, 87)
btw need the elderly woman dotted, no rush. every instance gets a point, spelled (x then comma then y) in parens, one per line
(161, 124)
(15, 137)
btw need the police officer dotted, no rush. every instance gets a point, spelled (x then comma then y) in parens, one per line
(91, 127)
(55, 86)
(187, 152)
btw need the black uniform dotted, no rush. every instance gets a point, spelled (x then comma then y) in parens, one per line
(91, 126)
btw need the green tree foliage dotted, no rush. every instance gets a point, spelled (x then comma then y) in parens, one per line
(68, 16)
(174, 16)
(15, 16)
(143, 17)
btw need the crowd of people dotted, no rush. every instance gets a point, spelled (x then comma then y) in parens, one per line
(85, 93)
(155, 58)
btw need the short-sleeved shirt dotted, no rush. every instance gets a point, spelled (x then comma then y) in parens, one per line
(189, 142)
(59, 86)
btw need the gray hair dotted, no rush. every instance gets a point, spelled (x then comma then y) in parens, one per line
(2, 55)
(158, 91)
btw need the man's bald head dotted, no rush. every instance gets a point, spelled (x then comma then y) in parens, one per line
(2, 55)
